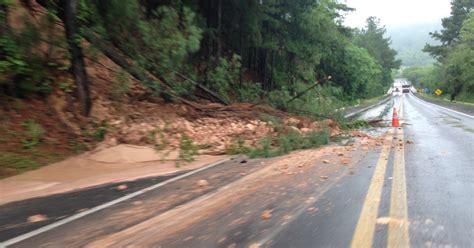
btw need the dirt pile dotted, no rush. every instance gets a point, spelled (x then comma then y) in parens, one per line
(212, 129)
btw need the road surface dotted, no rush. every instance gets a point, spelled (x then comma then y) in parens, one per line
(411, 187)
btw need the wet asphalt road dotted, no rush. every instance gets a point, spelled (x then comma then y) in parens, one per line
(417, 190)
(440, 176)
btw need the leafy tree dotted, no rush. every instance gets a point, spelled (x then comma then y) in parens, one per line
(232, 50)
(450, 33)
(429, 76)
(459, 64)
(372, 38)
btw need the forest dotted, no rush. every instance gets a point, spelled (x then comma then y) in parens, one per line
(214, 50)
(453, 70)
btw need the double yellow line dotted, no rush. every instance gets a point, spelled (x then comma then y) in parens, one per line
(398, 219)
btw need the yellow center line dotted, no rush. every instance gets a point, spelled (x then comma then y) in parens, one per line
(398, 228)
(364, 232)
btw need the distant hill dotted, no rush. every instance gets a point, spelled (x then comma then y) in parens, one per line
(409, 41)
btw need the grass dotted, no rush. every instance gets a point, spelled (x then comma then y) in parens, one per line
(99, 130)
(16, 162)
(461, 100)
(12, 163)
(34, 131)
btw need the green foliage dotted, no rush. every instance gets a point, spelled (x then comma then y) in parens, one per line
(187, 149)
(425, 76)
(271, 119)
(99, 130)
(459, 64)
(456, 51)
(265, 149)
(450, 33)
(287, 142)
(238, 148)
(354, 124)
(372, 38)
(78, 146)
(257, 50)
(224, 76)
(34, 131)
(158, 144)
(249, 92)
(17, 162)
(158, 38)
(364, 72)
(120, 85)
(20, 69)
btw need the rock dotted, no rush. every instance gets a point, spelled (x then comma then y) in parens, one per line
(330, 123)
(188, 238)
(293, 128)
(254, 245)
(202, 183)
(326, 161)
(267, 214)
(324, 177)
(305, 130)
(122, 187)
(37, 218)
(312, 209)
(345, 161)
(250, 127)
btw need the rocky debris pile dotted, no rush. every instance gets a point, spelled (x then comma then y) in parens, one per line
(210, 134)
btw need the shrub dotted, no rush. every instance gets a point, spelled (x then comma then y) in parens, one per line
(17, 162)
(221, 78)
(187, 149)
(285, 143)
(238, 148)
(34, 131)
(249, 92)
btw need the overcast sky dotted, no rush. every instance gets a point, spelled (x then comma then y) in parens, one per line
(395, 13)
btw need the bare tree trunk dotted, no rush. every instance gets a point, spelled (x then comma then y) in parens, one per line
(70, 8)
(271, 72)
(219, 27)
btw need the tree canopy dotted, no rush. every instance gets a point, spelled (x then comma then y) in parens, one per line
(456, 51)
(220, 50)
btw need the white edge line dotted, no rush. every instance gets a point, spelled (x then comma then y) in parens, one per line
(454, 111)
(105, 205)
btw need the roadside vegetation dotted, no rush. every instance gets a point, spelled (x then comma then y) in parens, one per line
(453, 72)
(294, 56)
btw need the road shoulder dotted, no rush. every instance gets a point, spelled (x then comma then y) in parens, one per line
(456, 106)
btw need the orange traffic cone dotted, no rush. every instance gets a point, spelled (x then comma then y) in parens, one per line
(395, 122)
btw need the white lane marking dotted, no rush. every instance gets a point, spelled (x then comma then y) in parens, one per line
(103, 206)
(428, 103)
